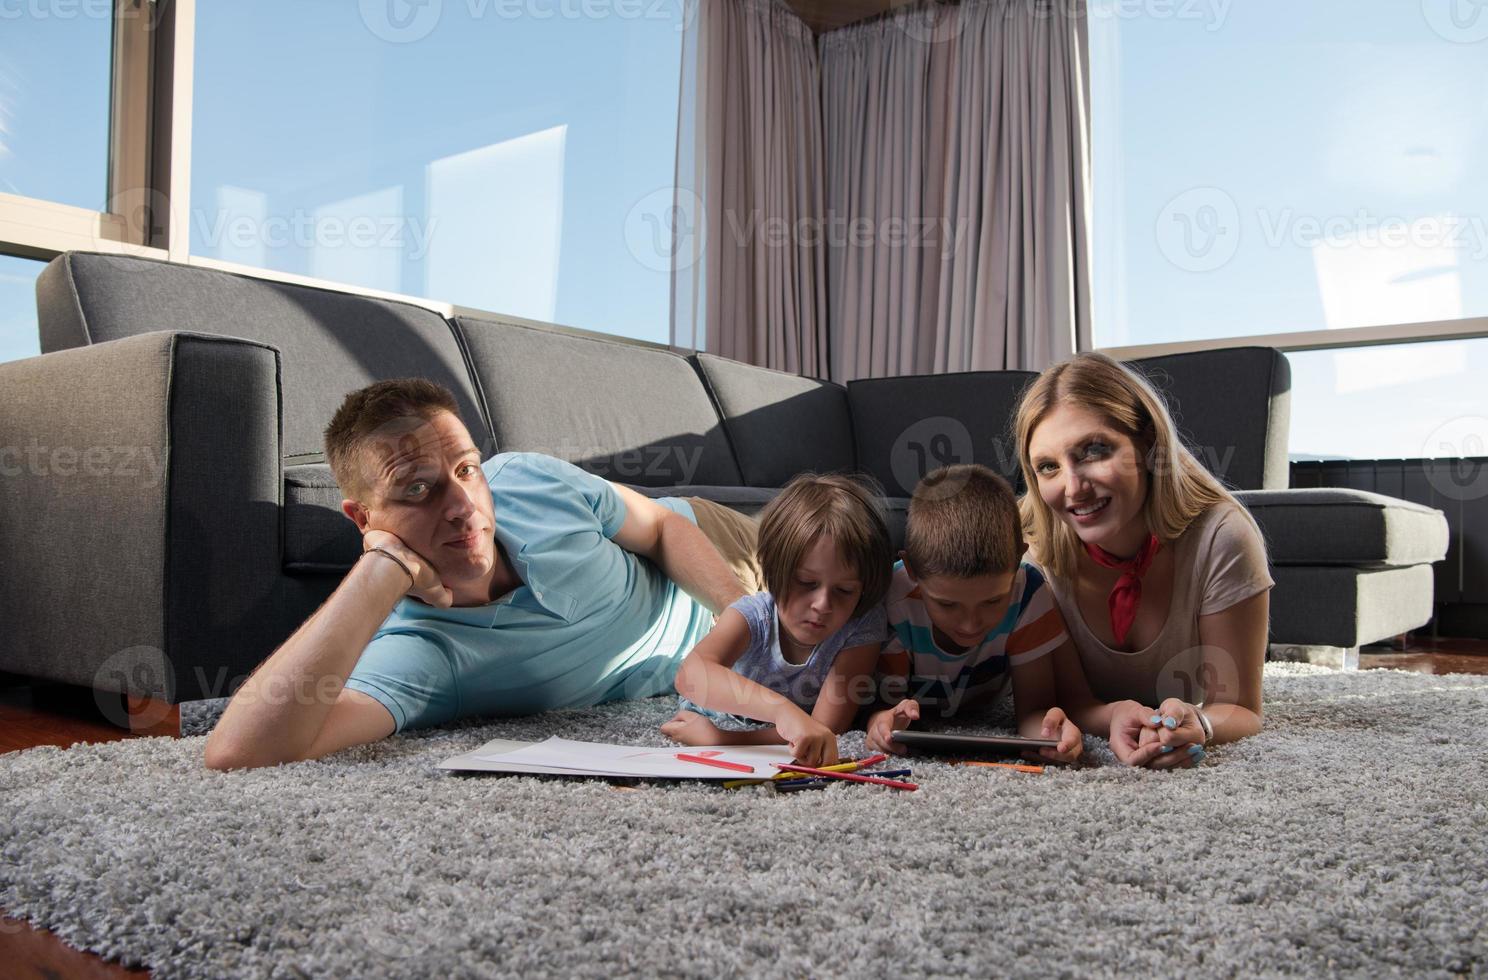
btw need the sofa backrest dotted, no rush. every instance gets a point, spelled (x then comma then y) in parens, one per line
(779, 424)
(905, 427)
(629, 413)
(332, 343)
(1232, 408)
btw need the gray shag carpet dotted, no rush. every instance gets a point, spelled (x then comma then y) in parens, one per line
(1348, 838)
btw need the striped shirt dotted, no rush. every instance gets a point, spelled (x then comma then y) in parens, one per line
(941, 681)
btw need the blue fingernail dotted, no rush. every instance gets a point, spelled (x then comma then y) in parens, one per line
(1155, 719)
(1197, 751)
(1170, 723)
(1167, 748)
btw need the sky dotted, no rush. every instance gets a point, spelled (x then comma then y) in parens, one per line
(1258, 166)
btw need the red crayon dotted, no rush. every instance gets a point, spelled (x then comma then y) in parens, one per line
(704, 760)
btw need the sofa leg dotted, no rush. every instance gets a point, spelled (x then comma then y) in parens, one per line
(1338, 658)
(148, 716)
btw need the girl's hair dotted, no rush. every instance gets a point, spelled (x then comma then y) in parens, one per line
(1179, 488)
(848, 509)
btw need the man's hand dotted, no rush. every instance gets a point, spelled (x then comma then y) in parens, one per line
(883, 724)
(813, 744)
(426, 585)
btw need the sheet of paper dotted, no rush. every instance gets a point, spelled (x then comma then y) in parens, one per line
(561, 756)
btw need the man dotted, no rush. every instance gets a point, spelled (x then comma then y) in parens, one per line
(512, 587)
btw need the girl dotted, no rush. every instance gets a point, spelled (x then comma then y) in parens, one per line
(798, 658)
(1160, 574)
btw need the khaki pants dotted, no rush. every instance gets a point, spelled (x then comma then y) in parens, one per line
(735, 536)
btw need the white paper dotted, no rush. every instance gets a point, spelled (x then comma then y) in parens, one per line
(561, 756)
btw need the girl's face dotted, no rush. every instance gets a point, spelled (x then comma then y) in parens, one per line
(822, 597)
(1092, 478)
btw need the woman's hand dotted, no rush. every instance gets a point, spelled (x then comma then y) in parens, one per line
(813, 744)
(883, 725)
(1058, 726)
(1168, 738)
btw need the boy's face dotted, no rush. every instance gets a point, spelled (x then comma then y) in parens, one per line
(964, 610)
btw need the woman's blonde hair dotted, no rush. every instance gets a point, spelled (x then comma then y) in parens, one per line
(1179, 488)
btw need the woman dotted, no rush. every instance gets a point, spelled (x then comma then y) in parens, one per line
(1160, 574)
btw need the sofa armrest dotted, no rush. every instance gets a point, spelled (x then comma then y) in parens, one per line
(139, 506)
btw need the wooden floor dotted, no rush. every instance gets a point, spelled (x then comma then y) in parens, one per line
(32, 715)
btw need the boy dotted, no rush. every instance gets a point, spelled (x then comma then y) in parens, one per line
(968, 618)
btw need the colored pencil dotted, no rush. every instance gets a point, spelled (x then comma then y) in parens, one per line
(849, 776)
(848, 766)
(999, 765)
(704, 760)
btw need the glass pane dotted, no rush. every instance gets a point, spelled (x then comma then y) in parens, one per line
(1404, 401)
(54, 101)
(488, 154)
(18, 336)
(1272, 166)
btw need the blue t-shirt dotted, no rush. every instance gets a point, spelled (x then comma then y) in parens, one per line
(764, 664)
(591, 622)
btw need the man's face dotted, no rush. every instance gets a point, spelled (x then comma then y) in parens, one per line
(425, 485)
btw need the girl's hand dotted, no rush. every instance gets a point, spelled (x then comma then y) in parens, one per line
(1058, 726)
(813, 744)
(883, 725)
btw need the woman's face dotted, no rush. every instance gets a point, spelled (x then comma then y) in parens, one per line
(1092, 477)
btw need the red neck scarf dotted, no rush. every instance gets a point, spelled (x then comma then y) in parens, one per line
(1127, 595)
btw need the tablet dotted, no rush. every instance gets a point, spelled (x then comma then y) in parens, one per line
(971, 745)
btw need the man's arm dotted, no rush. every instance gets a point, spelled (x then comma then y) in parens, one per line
(678, 548)
(295, 706)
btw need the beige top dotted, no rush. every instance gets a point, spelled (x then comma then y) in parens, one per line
(1219, 561)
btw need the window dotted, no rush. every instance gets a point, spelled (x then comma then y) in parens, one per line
(1404, 401)
(54, 101)
(18, 337)
(1270, 166)
(487, 154)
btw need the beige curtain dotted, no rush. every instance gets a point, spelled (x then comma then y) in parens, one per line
(749, 277)
(958, 137)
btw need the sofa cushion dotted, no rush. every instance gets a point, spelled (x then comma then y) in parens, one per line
(751, 500)
(1340, 606)
(1326, 526)
(779, 424)
(331, 343)
(627, 412)
(1232, 408)
(906, 427)
(317, 536)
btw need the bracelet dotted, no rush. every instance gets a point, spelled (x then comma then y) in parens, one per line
(1204, 723)
(401, 564)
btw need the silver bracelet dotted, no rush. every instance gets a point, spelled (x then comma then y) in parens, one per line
(401, 564)
(1204, 723)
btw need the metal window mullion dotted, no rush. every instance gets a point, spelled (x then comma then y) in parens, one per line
(170, 172)
(1466, 328)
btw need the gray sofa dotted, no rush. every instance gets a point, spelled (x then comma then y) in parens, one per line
(176, 519)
